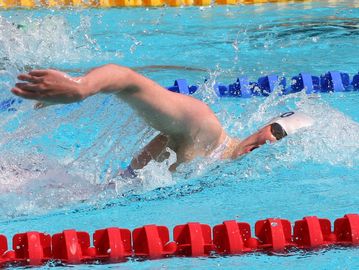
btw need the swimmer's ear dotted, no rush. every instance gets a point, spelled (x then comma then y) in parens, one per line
(41, 104)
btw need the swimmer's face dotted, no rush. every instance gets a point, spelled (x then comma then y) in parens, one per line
(264, 135)
(270, 133)
(257, 139)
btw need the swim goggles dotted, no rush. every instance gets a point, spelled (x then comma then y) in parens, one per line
(277, 131)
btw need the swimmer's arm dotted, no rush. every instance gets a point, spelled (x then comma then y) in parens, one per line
(154, 150)
(56, 87)
(170, 113)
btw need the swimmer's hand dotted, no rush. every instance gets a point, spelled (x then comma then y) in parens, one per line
(49, 87)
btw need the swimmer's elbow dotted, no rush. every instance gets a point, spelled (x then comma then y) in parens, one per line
(110, 78)
(119, 76)
(114, 68)
(123, 79)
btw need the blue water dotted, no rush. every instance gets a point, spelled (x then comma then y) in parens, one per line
(55, 161)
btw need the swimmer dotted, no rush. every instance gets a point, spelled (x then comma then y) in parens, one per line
(185, 124)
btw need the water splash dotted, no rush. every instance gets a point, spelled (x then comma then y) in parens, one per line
(72, 151)
(41, 42)
(62, 156)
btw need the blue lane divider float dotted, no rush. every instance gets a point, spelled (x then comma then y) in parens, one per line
(181, 86)
(268, 84)
(241, 87)
(311, 84)
(355, 81)
(332, 81)
(8, 104)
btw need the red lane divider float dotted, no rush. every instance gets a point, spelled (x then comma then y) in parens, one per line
(274, 234)
(313, 232)
(112, 245)
(193, 239)
(32, 247)
(153, 242)
(233, 237)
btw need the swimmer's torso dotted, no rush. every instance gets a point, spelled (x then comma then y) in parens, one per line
(185, 149)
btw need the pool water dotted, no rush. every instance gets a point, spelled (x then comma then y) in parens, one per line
(56, 161)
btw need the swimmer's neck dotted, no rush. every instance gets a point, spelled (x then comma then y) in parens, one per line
(235, 149)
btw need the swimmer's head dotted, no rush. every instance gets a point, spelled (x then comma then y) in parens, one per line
(276, 129)
(291, 122)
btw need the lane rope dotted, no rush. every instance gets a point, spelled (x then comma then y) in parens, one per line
(332, 81)
(29, 4)
(114, 245)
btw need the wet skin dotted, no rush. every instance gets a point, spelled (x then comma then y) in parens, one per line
(185, 124)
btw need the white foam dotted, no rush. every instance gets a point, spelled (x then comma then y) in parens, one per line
(61, 156)
(31, 42)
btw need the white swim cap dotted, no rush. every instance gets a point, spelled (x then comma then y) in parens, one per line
(292, 121)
